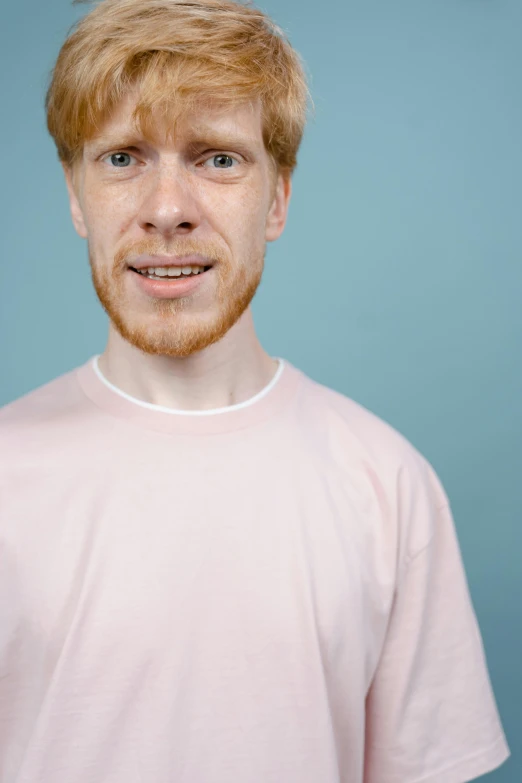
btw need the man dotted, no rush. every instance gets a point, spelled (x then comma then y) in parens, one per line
(213, 568)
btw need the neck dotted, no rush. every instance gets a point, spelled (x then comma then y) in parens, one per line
(226, 373)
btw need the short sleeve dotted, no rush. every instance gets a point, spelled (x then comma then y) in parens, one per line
(431, 715)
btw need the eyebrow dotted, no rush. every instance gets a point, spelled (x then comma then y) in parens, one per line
(201, 137)
(122, 140)
(222, 140)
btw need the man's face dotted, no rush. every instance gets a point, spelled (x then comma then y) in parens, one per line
(209, 197)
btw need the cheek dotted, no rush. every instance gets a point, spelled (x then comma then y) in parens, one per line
(108, 217)
(247, 216)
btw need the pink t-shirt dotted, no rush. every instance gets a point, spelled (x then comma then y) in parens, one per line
(267, 593)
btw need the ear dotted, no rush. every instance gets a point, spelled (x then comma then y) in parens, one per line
(76, 210)
(276, 218)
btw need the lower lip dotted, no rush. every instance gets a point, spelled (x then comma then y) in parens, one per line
(170, 288)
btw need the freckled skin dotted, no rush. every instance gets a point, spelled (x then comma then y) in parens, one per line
(172, 199)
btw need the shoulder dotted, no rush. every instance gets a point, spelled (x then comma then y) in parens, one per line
(333, 417)
(359, 442)
(42, 418)
(38, 405)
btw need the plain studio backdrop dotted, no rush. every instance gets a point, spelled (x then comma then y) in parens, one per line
(397, 280)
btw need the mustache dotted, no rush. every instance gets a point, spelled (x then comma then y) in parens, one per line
(151, 246)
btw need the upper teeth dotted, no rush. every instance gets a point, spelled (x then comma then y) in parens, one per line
(172, 271)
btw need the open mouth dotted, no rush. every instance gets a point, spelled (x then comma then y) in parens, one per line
(171, 272)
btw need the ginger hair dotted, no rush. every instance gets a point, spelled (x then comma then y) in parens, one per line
(178, 55)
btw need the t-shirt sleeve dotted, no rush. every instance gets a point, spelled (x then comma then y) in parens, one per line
(431, 715)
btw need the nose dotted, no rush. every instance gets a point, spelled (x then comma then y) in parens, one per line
(169, 205)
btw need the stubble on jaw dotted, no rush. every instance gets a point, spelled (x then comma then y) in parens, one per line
(166, 327)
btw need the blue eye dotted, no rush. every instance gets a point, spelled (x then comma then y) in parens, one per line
(121, 159)
(222, 161)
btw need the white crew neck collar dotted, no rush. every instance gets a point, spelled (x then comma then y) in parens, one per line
(267, 404)
(211, 412)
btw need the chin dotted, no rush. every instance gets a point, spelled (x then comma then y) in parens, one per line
(179, 333)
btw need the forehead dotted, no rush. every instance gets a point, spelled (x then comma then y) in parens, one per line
(242, 122)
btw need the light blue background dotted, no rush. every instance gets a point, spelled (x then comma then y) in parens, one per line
(397, 281)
